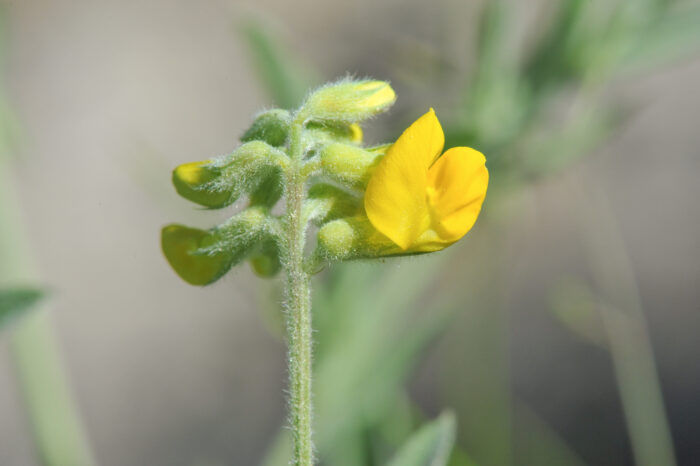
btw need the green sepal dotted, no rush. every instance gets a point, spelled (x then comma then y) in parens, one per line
(269, 191)
(350, 165)
(327, 202)
(271, 127)
(355, 237)
(334, 132)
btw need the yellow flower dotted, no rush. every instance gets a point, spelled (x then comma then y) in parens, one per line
(421, 200)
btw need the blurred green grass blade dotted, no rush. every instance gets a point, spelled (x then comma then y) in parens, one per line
(430, 446)
(497, 101)
(281, 76)
(625, 323)
(548, 61)
(460, 458)
(536, 443)
(673, 37)
(279, 452)
(492, 38)
(573, 304)
(370, 333)
(372, 342)
(14, 302)
(561, 147)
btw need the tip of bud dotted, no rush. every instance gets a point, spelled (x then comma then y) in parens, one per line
(192, 182)
(380, 93)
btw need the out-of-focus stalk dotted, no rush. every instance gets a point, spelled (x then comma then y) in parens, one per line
(58, 435)
(627, 334)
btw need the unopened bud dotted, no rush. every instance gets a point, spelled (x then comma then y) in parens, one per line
(327, 202)
(334, 132)
(349, 101)
(269, 191)
(350, 165)
(219, 182)
(201, 257)
(181, 246)
(271, 127)
(266, 261)
(194, 180)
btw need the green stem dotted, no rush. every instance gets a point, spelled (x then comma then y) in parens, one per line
(298, 304)
(58, 433)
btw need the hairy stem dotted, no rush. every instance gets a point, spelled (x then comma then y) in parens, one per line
(298, 304)
(58, 434)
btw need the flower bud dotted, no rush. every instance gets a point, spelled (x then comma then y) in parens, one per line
(266, 261)
(323, 133)
(350, 165)
(327, 202)
(193, 181)
(181, 246)
(269, 191)
(271, 127)
(201, 257)
(349, 101)
(219, 182)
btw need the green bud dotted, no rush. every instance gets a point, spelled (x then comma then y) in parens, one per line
(201, 257)
(330, 132)
(266, 261)
(194, 181)
(327, 202)
(269, 191)
(219, 182)
(349, 101)
(350, 165)
(180, 245)
(271, 127)
(242, 232)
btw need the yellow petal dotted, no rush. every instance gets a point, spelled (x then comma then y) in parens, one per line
(355, 133)
(395, 198)
(457, 185)
(191, 182)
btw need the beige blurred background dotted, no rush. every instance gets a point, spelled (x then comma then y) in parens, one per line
(111, 93)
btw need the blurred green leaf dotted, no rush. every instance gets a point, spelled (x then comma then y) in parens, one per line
(536, 443)
(282, 77)
(15, 302)
(559, 147)
(368, 342)
(430, 446)
(549, 61)
(674, 36)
